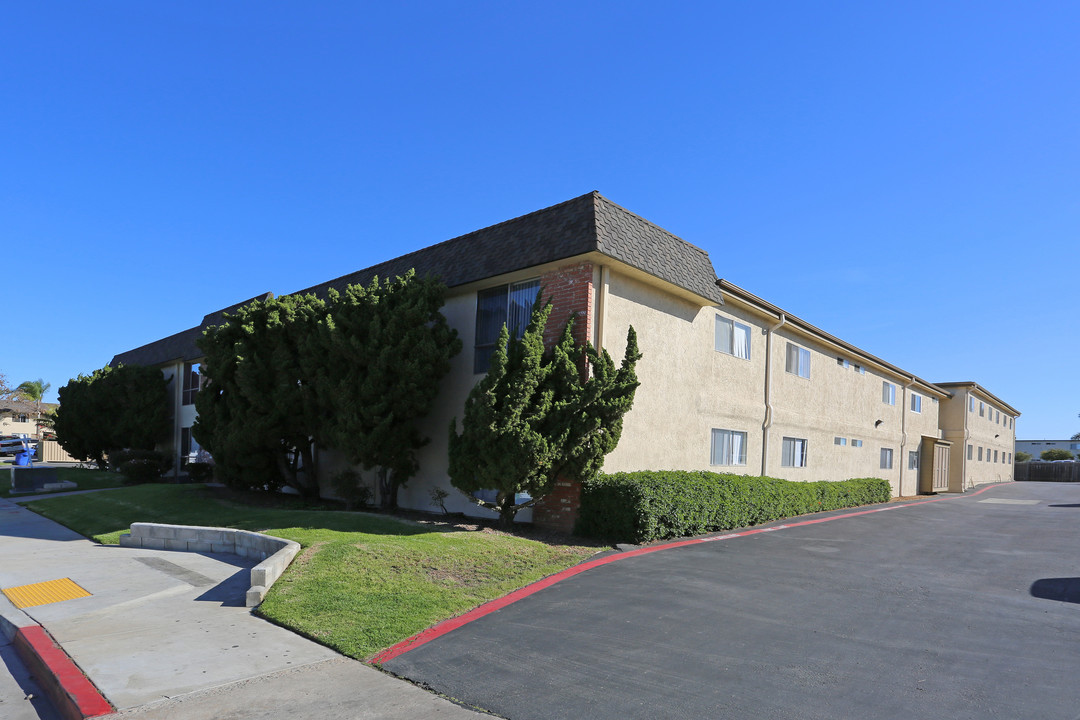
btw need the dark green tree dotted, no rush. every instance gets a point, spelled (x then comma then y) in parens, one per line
(258, 414)
(378, 360)
(1056, 454)
(1022, 457)
(126, 407)
(536, 416)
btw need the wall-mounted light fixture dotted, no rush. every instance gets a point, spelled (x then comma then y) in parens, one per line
(878, 422)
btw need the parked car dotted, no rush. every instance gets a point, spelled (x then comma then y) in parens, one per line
(11, 444)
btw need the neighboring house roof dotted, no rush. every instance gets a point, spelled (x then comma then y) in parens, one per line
(589, 223)
(974, 386)
(25, 407)
(585, 224)
(181, 345)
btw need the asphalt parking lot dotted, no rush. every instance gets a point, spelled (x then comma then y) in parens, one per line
(968, 607)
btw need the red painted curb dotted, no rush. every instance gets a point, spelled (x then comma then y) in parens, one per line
(440, 629)
(74, 696)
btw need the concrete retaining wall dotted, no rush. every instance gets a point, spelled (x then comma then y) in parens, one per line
(274, 553)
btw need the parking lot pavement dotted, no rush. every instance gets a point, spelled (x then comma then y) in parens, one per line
(21, 698)
(964, 607)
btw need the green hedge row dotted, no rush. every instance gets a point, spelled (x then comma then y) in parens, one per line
(644, 506)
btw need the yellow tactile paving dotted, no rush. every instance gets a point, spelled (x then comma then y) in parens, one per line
(43, 593)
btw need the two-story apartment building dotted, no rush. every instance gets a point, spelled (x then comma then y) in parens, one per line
(729, 382)
(982, 427)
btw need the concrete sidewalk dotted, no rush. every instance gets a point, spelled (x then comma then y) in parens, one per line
(161, 626)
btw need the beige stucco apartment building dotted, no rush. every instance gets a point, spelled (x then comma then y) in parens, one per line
(729, 382)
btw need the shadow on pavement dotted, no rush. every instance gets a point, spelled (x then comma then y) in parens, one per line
(1060, 589)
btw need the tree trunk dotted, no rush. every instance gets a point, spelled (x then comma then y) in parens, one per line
(387, 489)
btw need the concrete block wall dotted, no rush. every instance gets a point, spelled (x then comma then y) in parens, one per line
(274, 553)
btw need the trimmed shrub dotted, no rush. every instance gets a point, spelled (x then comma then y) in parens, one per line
(200, 471)
(653, 505)
(140, 466)
(348, 485)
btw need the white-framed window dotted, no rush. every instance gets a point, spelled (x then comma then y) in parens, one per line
(913, 460)
(839, 441)
(971, 403)
(916, 402)
(794, 452)
(886, 458)
(971, 449)
(728, 447)
(856, 443)
(843, 363)
(997, 416)
(860, 369)
(192, 382)
(982, 409)
(509, 305)
(798, 360)
(888, 393)
(995, 455)
(732, 338)
(980, 453)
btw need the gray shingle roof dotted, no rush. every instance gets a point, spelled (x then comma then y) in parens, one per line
(589, 223)
(181, 345)
(584, 224)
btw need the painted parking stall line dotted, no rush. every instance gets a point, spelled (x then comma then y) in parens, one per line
(436, 631)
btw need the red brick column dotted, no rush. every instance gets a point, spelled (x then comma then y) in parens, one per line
(559, 509)
(570, 290)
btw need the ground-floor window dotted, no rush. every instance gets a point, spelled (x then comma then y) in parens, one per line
(728, 447)
(913, 460)
(794, 452)
(886, 458)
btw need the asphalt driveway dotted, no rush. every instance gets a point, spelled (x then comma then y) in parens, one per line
(968, 607)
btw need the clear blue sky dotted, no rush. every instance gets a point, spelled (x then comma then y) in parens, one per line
(903, 177)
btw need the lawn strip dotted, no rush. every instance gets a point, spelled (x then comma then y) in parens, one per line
(362, 582)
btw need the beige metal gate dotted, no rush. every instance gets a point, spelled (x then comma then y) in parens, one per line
(934, 465)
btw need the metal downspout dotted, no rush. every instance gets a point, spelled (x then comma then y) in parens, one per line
(767, 423)
(903, 437)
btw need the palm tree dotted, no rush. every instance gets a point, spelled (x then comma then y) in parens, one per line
(34, 391)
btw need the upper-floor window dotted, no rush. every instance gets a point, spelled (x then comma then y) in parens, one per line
(843, 363)
(732, 338)
(916, 402)
(509, 305)
(794, 452)
(192, 383)
(982, 409)
(22, 417)
(856, 443)
(728, 447)
(997, 416)
(798, 360)
(969, 452)
(888, 393)
(971, 403)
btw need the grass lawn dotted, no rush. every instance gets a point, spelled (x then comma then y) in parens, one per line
(85, 479)
(361, 582)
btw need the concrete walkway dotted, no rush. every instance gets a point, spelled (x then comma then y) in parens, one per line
(162, 627)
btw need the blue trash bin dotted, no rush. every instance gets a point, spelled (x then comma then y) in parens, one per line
(22, 459)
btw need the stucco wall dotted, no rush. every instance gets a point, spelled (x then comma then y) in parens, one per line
(994, 430)
(839, 401)
(687, 387)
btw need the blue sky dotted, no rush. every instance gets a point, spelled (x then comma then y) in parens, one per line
(903, 177)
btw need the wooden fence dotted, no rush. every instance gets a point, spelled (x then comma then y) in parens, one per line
(1047, 471)
(49, 451)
